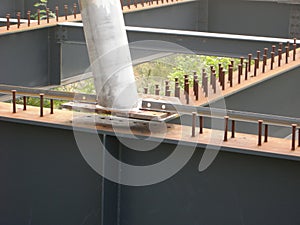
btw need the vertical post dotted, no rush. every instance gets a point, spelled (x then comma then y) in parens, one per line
(260, 123)
(226, 119)
(41, 105)
(294, 127)
(14, 101)
(194, 118)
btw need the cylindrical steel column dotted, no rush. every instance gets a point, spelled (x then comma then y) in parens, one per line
(109, 53)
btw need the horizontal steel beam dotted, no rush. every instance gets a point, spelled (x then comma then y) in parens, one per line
(180, 41)
(158, 106)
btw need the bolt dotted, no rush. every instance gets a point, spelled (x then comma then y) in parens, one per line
(28, 18)
(214, 81)
(7, 21)
(47, 14)
(294, 127)
(299, 137)
(194, 118)
(24, 103)
(294, 51)
(280, 46)
(187, 92)
(145, 90)
(128, 4)
(56, 13)
(286, 54)
(66, 11)
(230, 75)
(242, 60)
(232, 129)
(258, 57)
(51, 106)
(226, 118)
(14, 101)
(249, 60)
(256, 63)
(239, 73)
(168, 93)
(39, 16)
(295, 40)
(246, 70)
(273, 48)
(260, 123)
(266, 132)
(197, 89)
(272, 59)
(266, 51)
(232, 63)
(177, 89)
(211, 74)
(223, 83)
(157, 89)
(205, 84)
(41, 105)
(279, 57)
(19, 19)
(201, 123)
(264, 63)
(75, 9)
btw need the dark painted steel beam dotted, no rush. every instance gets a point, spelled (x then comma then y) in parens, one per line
(204, 43)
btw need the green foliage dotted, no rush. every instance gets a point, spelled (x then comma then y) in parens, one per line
(176, 66)
(35, 101)
(42, 5)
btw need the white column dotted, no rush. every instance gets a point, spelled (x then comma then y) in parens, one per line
(109, 53)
